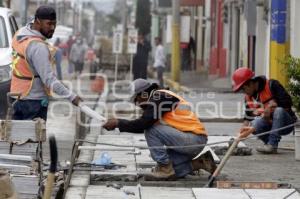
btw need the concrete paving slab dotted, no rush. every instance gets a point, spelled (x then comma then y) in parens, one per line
(146, 192)
(270, 193)
(95, 192)
(212, 193)
(76, 193)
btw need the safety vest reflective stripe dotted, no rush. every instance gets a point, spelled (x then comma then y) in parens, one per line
(22, 78)
(182, 117)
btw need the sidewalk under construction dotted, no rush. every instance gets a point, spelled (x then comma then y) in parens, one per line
(124, 179)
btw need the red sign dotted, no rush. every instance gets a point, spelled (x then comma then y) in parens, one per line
(192, 2)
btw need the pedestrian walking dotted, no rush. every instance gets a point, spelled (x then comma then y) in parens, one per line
(268, 107)
(159, 61)
(70, 43)
(167, 120)
(186, 54)
(32, 75)
(58, 58)
(77, 56)
(91, 59)
(140, 60)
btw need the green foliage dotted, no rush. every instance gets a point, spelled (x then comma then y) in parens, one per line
(292, 67)
(143, 16)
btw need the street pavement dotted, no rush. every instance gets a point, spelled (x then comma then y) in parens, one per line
(213, 102)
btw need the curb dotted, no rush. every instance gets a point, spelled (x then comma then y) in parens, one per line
(176, 86)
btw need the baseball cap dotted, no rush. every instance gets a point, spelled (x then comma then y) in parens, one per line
(140, 85)
(45, 12)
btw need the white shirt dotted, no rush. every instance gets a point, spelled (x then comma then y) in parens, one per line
(159, 57)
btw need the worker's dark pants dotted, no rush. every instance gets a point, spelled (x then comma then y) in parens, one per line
(29, 110)
(163, 135)
(281, 118)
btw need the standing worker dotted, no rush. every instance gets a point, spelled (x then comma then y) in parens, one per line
(33, 75)
(167, 120)
(159, 61)
(140, 60)
(268, 107)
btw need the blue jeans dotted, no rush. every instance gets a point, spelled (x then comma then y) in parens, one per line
(29, 109)
(281, 118)
(163, 135)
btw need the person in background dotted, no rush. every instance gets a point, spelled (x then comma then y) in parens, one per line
(58, 58)
(268, 107)
(91, 58)
(186, 54)
(77, 56)
(159, 61)
(70, 43)
(140, 60)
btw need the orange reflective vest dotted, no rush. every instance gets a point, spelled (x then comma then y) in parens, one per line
(22, 75)
(182, 117)
(258, 106)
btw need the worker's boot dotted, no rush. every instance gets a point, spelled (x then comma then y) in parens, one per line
(205, 162)
(162, 172)
(267, 149)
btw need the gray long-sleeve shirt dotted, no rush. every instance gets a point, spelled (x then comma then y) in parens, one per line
(37, 54)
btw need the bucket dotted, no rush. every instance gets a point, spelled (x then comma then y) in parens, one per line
(297, 142)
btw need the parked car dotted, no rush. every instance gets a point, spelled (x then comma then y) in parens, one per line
(8, 27)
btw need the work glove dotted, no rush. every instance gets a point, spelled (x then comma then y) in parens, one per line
(111, 124)
(77, 100)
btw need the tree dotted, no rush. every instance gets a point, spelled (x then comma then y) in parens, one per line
(143, 16)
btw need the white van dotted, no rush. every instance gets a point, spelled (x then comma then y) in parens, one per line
(8, 27)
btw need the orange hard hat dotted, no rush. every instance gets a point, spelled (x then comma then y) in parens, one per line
(241, 76)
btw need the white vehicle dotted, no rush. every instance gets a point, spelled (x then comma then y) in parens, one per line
(61, 32)
(8, 27)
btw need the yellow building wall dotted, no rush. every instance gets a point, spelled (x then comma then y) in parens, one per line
(277, 53)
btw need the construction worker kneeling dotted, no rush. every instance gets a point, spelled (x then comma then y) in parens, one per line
(167, 120)
(268, 107)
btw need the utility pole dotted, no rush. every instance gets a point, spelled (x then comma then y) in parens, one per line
(8, 2)
(175, 62)
(24, 12)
